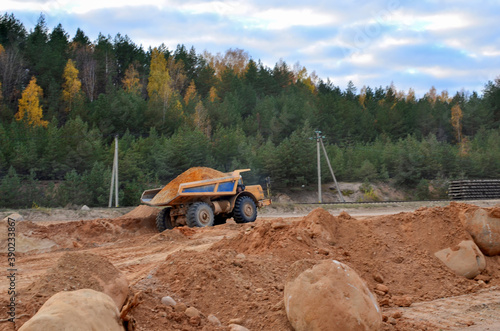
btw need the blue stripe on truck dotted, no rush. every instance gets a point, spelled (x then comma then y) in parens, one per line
(226, 187)
(200, 189)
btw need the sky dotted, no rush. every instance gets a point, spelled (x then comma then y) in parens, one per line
(453, 45)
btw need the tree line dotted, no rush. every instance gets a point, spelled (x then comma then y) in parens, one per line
(64, 99)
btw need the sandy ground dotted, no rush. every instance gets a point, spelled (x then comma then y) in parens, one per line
(236, 272)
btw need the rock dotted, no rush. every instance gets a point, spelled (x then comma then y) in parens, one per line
(378, 278)
(237, 327)
(278, 223)
(329, 296)
(168, 301)
(84, 309)
(241, 256)
(402, 301)
(180, 307)
(465, 259)
(192, 312)
(484, 278)
(382, 288)
(397, 314)
(85, 207)
(236, 321)
(484, 227)
(214, 320)
(384, 302)
(195, 320)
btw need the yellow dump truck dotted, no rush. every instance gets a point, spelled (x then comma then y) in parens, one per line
(205, 197)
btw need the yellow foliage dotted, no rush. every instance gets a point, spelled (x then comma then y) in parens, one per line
(30, 110)
(464, 147)
(72, 85)
(190, 93)
(456, 121)
(410, 97)
(212, 95)
(234, 59)
(131, 81)
(1, 49)
(300, 75)
(444, 97)
(159, 88)
(362, 97)
(432, 95)
(201, 120)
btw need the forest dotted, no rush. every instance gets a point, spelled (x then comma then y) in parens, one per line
(64, 99)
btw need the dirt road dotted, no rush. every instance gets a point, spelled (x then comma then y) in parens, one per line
(236, 272)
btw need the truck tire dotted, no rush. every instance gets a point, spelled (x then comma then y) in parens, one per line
(245, 210)
(163, 221)
(200, 214)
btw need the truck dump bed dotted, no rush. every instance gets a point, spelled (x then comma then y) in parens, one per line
(187, 187)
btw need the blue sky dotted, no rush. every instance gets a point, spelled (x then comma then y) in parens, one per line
(451, 45)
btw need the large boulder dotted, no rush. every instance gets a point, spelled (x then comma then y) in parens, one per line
(465, 259)
(329, 295)
(84, 310)
(484, 227)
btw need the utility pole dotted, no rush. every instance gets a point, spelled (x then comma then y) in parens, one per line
(114, 177)
(331, 170)
(319, 140)
(318, 137)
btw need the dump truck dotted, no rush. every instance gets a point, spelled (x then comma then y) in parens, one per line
(202, 197)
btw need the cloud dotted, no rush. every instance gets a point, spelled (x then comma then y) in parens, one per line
(443, 43)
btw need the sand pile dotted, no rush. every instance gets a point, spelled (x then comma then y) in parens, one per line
(88, 233)
(141, 212)
(75, 271)
(191, 175)
(240, 278)
(396, 250)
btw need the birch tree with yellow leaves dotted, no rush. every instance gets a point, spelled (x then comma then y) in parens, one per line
(71, 86)
(159, 88)
(131, 81)
(30, 110)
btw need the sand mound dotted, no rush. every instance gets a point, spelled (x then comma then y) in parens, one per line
(191, 175)
(75, 271)
(318, 229)
(86, 233)
(397, 249)
(141, 212)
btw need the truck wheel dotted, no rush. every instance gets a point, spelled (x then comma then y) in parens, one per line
(244, 210)
(200, 214)
(163, 221)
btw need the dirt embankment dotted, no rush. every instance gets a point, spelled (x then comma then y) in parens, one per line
(236, 272)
